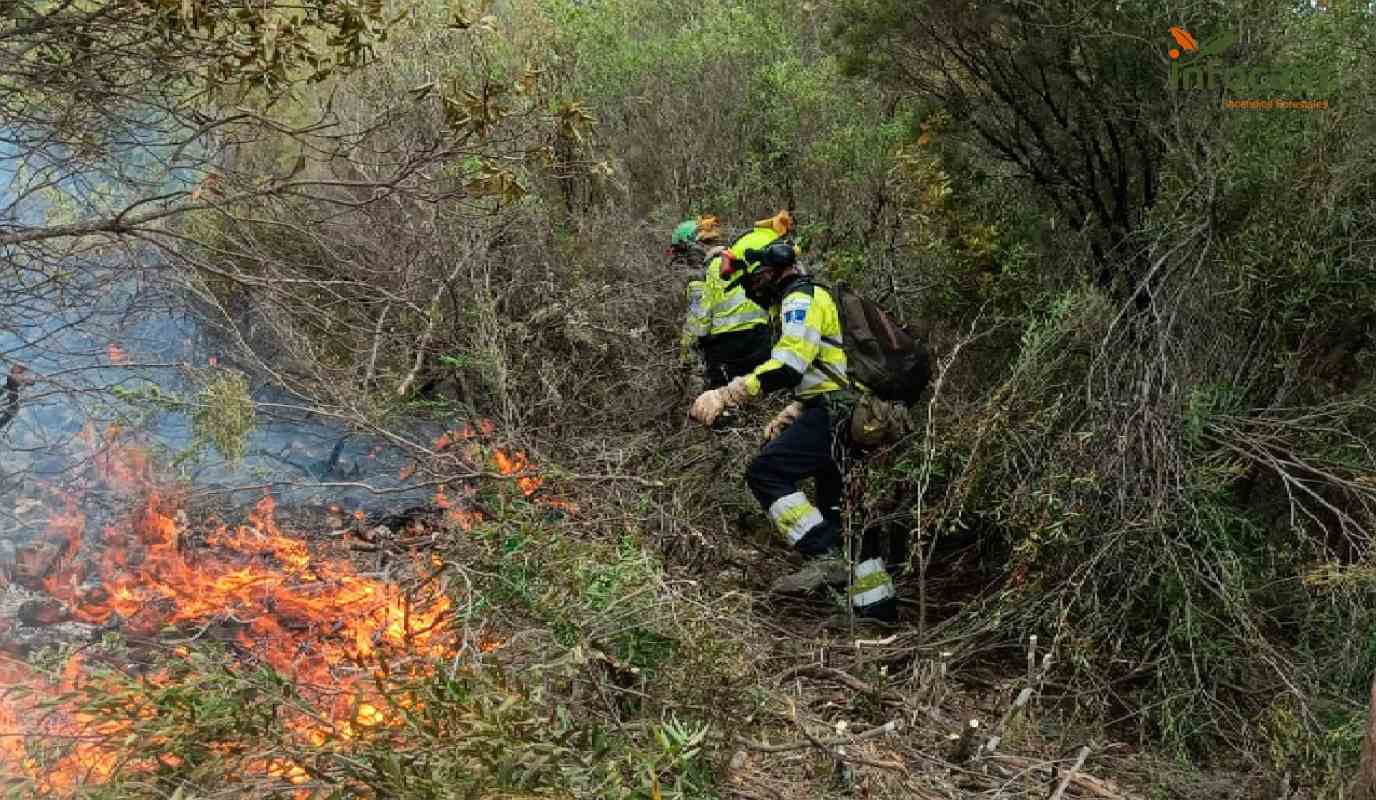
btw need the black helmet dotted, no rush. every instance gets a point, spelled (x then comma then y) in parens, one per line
(764, 291)
(778, 255)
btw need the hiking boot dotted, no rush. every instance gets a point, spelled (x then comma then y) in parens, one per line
(819, 542)
(829, 570)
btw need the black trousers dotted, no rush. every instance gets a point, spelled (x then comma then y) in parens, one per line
(818, 446)
(814, 446)
(728, 355)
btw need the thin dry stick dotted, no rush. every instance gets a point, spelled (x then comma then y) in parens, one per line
(377, 340)
(432, 318)
(840, 756)
(996, 735)
(841, 677)
(878, 730)
(1045, 670)
(1070, 773)
(925, 474)
(939, 685)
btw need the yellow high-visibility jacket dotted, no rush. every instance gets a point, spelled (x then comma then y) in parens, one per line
(810, 334)
(724, 310)
(695, 324)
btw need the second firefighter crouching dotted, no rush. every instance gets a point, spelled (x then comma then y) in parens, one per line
(729, 330)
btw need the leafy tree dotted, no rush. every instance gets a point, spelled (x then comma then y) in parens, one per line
(229, 144)
(1067, 94)
(120, 107)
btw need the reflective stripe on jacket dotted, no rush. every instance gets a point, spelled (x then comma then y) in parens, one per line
(729, 310)
(695, 323)
(810, 333)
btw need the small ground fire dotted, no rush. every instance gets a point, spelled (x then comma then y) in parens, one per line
(298, 605)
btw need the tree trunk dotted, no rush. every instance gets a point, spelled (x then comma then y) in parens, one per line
(1364, 784)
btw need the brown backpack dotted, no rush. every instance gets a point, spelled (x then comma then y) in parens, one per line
(882, 355)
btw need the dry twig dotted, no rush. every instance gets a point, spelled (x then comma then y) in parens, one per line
(1070, 773)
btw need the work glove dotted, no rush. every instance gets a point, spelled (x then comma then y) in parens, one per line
(785, 418)
(712, 402)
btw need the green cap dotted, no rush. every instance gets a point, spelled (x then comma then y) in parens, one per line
(686, 232)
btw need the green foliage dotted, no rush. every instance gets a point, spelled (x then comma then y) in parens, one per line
(150, 394)
(1292, 747)
(1149, 476)
(731, 108)
(92, 58)
(224, 415)
(1204, 401)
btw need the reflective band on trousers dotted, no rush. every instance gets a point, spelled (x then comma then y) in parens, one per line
(794, 516)
(871, 583)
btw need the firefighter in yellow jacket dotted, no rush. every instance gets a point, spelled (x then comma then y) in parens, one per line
(810, 438)
(689, 246)
(729, 329)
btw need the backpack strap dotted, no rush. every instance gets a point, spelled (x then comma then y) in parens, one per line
(803, 282)
(831, 373)
(840, 312)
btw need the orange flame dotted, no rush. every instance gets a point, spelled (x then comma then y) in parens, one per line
(509, 464)
(312, 617)
(341, 636)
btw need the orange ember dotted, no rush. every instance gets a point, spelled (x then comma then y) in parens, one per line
(450, 438)
(516, 465)
(508, 463)
(463, 519)
(567, 506)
